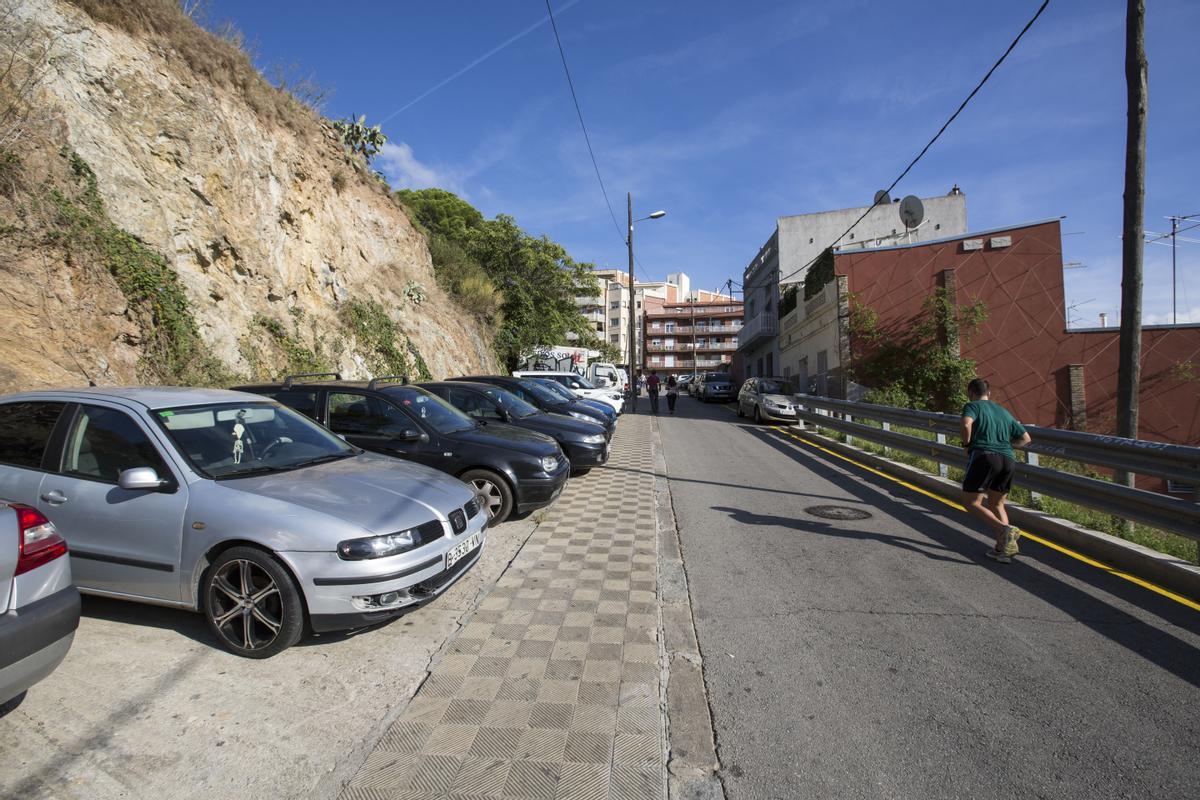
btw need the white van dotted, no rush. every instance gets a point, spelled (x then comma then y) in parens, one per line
(611, 396)
(607, 375)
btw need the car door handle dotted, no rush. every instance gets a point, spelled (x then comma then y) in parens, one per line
(54, 497)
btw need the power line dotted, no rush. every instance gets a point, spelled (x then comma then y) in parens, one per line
(925, 149)
(583, 126)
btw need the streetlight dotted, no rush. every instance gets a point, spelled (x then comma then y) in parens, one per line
(633, 390)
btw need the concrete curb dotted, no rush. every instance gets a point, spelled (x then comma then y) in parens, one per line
(1142, 562)
(690, 750)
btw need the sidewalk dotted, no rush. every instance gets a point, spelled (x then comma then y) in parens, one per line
(551, 689)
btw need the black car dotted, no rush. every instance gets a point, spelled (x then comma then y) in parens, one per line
(518, 470)
(584, 443)
(533, 392)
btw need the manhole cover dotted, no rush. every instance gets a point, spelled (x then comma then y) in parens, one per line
(837, 512)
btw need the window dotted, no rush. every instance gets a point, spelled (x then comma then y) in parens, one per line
(474, 404)
(302, 400)
(24, 430)
(615, 338)
(360, 415)
(671, 326)
(655, 326)
(615, 304)
(615, 322)
(105, 442)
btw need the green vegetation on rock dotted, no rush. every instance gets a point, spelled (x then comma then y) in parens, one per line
(383, 346)
(173, 351)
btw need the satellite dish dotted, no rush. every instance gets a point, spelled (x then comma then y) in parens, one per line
(912, 211)
(882, 198)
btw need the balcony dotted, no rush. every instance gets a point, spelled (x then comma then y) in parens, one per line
(762, 327)
(688, 347)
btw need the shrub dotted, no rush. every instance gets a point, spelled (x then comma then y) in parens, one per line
(384, 348)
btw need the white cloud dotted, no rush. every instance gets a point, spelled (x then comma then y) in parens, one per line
(404, 170)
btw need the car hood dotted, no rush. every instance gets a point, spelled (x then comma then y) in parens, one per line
(498, 434)
(781, 399)
(376, 493)
(562, 425)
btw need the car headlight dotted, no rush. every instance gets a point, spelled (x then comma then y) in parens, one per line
(389, 544)
(595, 438)
(582, 416)
(550, 463)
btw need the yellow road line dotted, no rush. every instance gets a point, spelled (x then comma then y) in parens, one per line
(1178, 598)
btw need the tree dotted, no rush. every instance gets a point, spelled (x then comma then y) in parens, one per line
(535, 276)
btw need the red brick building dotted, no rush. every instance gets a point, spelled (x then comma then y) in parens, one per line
(682, 338)
(1047, 374)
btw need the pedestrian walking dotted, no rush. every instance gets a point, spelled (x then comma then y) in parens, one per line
(672, 393)
(652, 385)
(989, 433)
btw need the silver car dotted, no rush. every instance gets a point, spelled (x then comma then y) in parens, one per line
(767, 400)
(233, 505)
(39, 608)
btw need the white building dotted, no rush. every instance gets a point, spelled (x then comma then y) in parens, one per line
(798, 240)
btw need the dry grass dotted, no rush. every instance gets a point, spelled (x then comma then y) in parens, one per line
(221, 59)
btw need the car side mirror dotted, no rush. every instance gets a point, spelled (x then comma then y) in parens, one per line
(140, 479)
(409, 435)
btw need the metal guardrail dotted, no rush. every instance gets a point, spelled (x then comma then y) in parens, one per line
(1169, 461)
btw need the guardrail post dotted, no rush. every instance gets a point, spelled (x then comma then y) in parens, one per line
(849, 438)
(1035, 499)
(943, 470)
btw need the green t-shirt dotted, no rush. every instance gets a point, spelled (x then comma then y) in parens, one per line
(994, 428)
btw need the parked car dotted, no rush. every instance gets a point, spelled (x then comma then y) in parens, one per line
(39, 608)
(608, 376)
(581, 386)
(693, 387)
(515, 470)
(533, 392)
(767, 400)
(569, 396)
(583, 443)
(234, 505)
(716, 386)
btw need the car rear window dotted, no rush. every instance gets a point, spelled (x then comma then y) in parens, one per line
(302, 400)
(24, 430)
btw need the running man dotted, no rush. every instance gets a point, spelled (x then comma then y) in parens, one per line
(989, 434)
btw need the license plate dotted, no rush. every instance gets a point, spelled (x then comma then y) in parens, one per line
(455, 554)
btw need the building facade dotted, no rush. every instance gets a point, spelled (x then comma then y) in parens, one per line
(1046, 373)
(798, 240)
(683, 338)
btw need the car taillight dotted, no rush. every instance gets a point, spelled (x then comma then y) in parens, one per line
(38, 541)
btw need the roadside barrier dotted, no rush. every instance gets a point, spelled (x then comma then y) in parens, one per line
(1171, 462)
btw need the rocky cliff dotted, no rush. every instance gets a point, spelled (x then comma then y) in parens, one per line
(162, 224)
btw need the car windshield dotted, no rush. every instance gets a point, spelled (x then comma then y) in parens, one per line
(582, 381)
(232, 440)
(514, 405)
(776, 387)
(717, 377)
(543, 393)
(431, 409)
(557, 388)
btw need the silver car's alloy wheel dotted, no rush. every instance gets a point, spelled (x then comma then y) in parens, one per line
(491, 493)
(245, 605)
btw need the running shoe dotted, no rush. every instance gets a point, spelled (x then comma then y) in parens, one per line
(997, 555)
(1011, 535)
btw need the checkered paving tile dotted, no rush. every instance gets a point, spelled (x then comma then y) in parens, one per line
(551, 689)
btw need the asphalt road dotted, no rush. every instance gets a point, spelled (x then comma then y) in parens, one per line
(887, 658)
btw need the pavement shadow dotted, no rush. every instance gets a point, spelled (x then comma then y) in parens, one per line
(1158, 646)
(722, 484)
(744, 517)
(193, 625)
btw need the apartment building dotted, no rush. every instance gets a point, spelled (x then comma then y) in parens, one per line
(608, 311)
(699, 336)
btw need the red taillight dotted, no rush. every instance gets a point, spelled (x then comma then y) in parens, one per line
(38, 541)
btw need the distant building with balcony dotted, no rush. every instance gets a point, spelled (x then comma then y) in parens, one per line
(799, 239)
(682, 338)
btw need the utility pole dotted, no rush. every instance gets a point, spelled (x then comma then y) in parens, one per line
(1129, 365)
(633, 390)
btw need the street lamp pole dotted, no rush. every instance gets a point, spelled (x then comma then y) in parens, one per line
(633, 386)
(633, 299)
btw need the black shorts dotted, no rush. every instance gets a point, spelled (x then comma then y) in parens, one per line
(988, 472)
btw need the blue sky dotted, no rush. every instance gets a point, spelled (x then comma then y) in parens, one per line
(729, 115)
